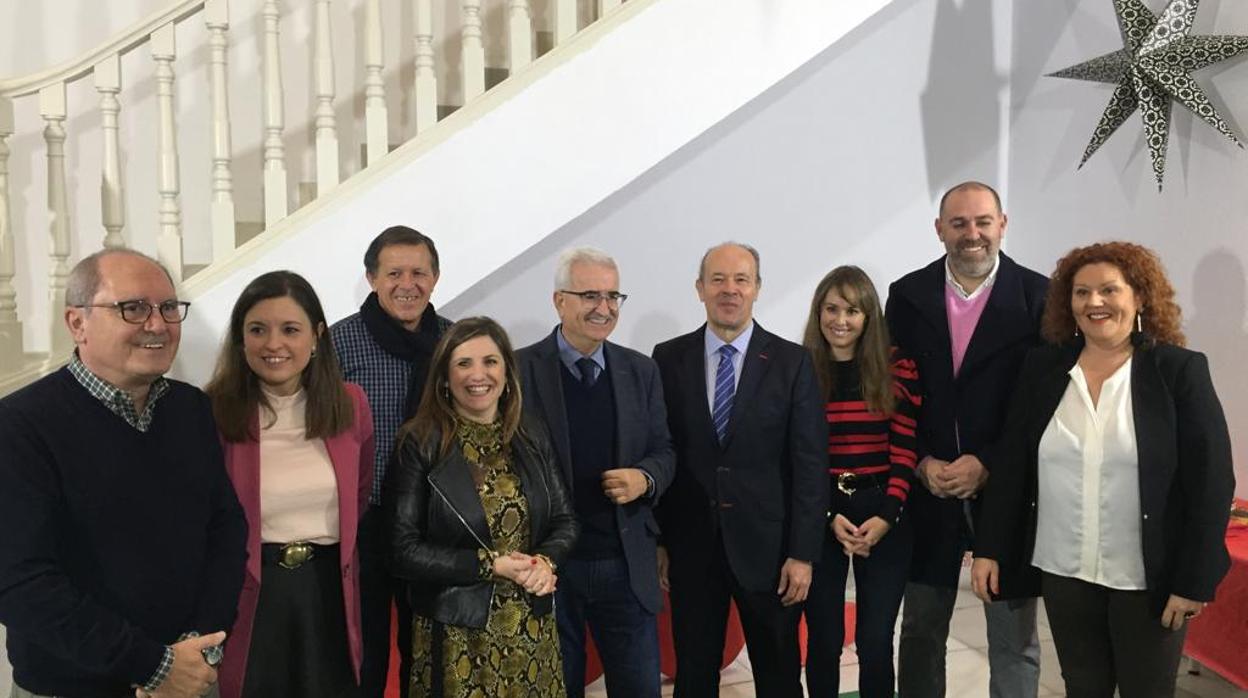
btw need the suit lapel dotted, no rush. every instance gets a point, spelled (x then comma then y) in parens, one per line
(693, 370)
(246, 476)
(1004, 320)
(753, 368)
(1048, 392)
(622, 386)
(546, 374)
(454, 481)
(344, 454)
(930, 302)
(1153, 410)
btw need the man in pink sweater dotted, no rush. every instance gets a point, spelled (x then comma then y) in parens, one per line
(967, 319)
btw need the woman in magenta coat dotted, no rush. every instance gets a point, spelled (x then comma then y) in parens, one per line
(298, 445)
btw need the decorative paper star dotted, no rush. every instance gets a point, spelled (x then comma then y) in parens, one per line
(1153, 68)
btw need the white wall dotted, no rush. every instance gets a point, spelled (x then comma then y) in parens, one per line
(839, 163)
(1198, 224)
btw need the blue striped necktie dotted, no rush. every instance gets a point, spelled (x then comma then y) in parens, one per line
(725, 388)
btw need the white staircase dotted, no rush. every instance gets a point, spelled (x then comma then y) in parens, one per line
(503, 170)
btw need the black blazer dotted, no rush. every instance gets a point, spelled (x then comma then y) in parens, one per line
(642, 441)
(437, 524)
(963, 414)
(766, 488)
(1186, 478)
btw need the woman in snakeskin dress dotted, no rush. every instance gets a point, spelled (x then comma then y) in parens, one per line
(480, 521)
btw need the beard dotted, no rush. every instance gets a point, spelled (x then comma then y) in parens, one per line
(972, 268)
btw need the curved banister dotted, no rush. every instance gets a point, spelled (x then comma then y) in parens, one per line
(122, 43)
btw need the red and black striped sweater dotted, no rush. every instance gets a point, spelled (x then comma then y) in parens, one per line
(864, 442)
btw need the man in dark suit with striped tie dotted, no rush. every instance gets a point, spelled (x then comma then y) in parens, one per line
(745, 515)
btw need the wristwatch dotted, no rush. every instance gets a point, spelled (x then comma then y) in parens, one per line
(213, 655)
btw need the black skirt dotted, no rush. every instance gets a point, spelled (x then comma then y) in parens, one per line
(299, 642)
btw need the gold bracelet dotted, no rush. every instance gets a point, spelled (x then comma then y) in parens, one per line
(549, 563)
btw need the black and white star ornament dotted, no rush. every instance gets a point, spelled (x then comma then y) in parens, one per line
(1152, 70)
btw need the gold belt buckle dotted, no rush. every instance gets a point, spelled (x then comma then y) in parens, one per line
(845, 483)
(293, 555)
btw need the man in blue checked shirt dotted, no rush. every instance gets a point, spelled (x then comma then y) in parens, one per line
(385, 349)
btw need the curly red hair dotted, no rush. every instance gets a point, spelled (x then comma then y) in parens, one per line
(1142, 270)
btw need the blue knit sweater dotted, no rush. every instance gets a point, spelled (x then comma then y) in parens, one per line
(116, 541)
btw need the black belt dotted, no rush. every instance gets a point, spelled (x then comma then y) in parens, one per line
(850, 483)
(293, 555)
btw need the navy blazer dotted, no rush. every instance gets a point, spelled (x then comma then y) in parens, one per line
(963, 414)
(642, 441)
(1186, 478)
(766, 487)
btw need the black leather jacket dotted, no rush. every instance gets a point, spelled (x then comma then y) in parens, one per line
(437, 524)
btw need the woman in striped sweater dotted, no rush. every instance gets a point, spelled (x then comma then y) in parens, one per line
(872, 403)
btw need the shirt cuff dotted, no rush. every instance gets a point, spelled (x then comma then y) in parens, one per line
(649, 485)
(162, 671)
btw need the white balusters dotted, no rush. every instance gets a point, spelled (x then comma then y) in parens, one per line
(169, 238)
(326, 126)
(274, 152)
(221, 215)
(52, 108)
(375, 127)
(565, 19)
(520, 35)
(605, 6)
(473, 51)
(112, 199)
(426, 83)
(10, 328)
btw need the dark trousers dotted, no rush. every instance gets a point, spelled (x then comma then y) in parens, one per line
(377, 590)
(879, 580)
(1107, 639)
(699, 596)
(598, 592)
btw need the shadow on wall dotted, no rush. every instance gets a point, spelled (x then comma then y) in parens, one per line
(959, 122)
(1217, 328)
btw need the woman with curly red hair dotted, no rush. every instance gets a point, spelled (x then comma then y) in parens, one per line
(1112, 484)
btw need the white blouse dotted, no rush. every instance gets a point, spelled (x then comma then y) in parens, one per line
(1088, 506)
(298, 487)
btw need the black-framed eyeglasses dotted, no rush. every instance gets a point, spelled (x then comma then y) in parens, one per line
(592, 298)
(137, 312)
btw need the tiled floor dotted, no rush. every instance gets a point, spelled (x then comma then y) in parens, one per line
(967, 664)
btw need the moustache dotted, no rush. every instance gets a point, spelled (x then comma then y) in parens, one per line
(153, 338)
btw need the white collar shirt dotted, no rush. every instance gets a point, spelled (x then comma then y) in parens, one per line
(1088, 504)
(981, 289)
(713, 343)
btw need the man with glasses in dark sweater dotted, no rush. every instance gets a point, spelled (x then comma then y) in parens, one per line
(123, 552)
(604, 406)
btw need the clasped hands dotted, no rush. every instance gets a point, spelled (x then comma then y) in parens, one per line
(528, 571)
(858, 540)
(961, 477)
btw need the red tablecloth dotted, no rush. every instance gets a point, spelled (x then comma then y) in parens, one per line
(1218, 637)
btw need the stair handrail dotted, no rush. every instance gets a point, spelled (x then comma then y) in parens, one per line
(123, 42)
